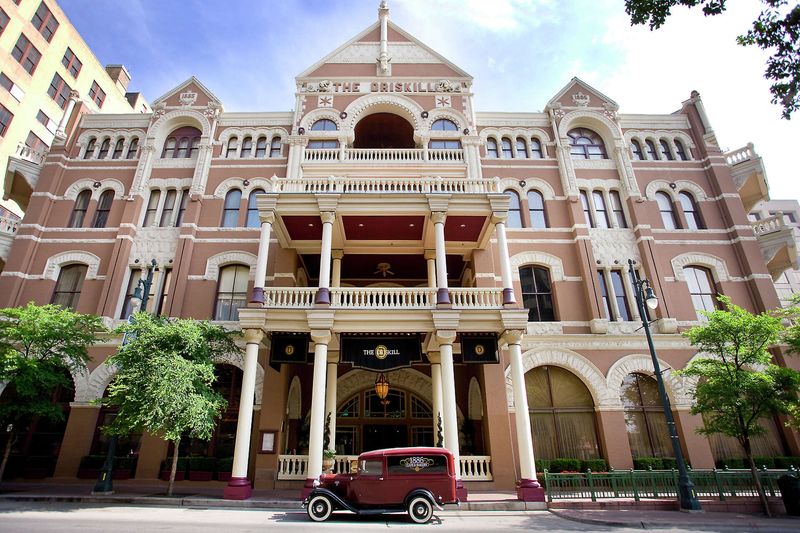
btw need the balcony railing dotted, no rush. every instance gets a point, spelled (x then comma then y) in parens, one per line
(424, 185)
(384, 155)
(295, 467)
(9, 226)
(746, 153)
(27, 153)
(769, 225)
(383, 298)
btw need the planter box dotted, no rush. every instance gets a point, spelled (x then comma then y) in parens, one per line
(224, 476)
(179, 476)
(201, 475)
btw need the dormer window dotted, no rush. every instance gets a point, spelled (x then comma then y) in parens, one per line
(586, 144)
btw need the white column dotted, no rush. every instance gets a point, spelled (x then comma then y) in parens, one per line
(505, 262)
(450, 419)
(430, 259)
(436, 386)
(323, 294)
(524, 440)
(62, 124)
(442, 294)
(612, 295)
(263, 254)
(629, 296)
(330, 397)
(321, 340)
(239, 487)
(336, 274)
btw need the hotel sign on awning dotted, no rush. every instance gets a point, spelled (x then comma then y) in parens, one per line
(380, 353)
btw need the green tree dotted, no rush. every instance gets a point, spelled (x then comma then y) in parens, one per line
(738, 384)
(776, 30)
(165, 374)
(37, 345)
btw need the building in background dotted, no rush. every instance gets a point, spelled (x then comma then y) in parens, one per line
(415, 271)
(773, 219)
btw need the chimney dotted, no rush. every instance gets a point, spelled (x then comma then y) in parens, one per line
(119, 75)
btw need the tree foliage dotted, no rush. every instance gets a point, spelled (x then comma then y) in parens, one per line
(38, 345)
(776, 30)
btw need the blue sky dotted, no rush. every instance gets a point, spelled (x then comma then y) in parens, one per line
(520, 52)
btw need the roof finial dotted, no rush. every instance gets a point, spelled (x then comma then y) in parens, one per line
(383, 58)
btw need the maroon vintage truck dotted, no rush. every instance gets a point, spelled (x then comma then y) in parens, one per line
(413, 480)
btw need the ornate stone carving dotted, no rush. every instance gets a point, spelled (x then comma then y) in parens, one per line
(367, 52)
(611, 245)
(580, 99)
(212, 110)
(323, 86)
(187, 98)
(325, 101)
(155, 243)
(445, 86)
(443, 101)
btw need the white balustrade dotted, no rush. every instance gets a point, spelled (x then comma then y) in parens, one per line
(29, 154)
(383, 298)
(476, 467)
(741, 155)
(410, 185)
(9, 225)
(294, 467)
(314, 155)
(446, 155)
(384, 155)
(769, 225)
(289, 297)
(476, 298)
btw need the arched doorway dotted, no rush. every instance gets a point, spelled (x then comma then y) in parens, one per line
(384, 130)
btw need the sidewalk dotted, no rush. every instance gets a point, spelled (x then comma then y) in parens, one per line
(613, 513)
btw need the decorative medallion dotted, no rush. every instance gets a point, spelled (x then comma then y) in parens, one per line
(580, 99)
(325, 101)
(188, 98)
(384, 269)
(443, 101)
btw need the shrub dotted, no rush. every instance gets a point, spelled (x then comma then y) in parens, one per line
(761, 462)
(564, 464)
(202, 464)
(542, 465)
(595, 465)
(183, 462)
(735, 463)
(669, 463)
(648, 463)
(786, 462)
(225, 464)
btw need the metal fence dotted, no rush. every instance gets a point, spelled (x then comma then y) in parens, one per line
(638, 484)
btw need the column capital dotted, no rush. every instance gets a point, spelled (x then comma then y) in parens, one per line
(74, 95)
(512, 336)
(445, 336)
(253, 336)
(337, 254)
(267, 217)
(438, 217)
(321, 336)
(435, 358)
(333, 357)
(430, 255)
(499, 217)
(327, 217)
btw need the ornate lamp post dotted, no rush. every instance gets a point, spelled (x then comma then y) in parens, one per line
(105, 484)
(645, 295)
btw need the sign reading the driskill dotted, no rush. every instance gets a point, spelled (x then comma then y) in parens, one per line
(380, 352)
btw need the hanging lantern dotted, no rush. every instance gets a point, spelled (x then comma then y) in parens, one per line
(382, 388)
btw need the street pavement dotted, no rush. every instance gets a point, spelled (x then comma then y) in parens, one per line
(141, 507)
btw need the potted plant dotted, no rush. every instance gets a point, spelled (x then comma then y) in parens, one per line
(201, 468)
(224, 467)
(328, 455)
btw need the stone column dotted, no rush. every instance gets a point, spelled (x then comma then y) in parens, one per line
(450, 418)
(239, 487)
(436, 386)
(442, 294)
(263, 254)
(330, 398)
(77, 440)
(321, 339)
(430, 259)
(61, 132)
(528, 488)
(323, 293)
(336, 272)
(505, 262)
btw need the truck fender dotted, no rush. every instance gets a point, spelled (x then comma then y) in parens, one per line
(422, 492)
(338, 503)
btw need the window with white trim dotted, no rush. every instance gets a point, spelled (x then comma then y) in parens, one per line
(231, 292)
(68, 286)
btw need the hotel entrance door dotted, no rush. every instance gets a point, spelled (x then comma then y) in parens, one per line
(377, 436)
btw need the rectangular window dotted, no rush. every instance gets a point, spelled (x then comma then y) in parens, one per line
(97, 94)
(587, 212)
(601, 281)
(163, 292)
(152, 208)
(59, 90)
(44, 21)
(616, 209)
(600, 210)
(5, 119)
(71, 63)
(620, 295)
(168, 209)
(3, 21)
(26, 54)
(182, 209)
(5, 82)
(33, 141)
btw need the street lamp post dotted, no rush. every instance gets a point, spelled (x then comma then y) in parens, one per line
(645, 295)
(105, 484)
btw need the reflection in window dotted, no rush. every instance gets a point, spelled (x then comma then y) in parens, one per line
(514, 215)
(667, 210)
(636, 148)
(230, 213)
(324, 125)
(444, 125)
(536, 209)
(586, 144)
(68, 286)
(231, 292)
(690, 211)
(79, 209)
(252, 209)
(701, 289)
(600, 210)
(103, 209)
(644, 417)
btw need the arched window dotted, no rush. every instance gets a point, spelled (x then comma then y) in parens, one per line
(666, 151)
(233, 145)
(79, 209)
(644, 417)
(118, 149)
(667, 210)
(491, 148)
(537, 293)
(230, 213)
(132, 148)
(193, 147)
(68, 286)
(617, 210)
(701, 289)
(563, 421)
(522, 148)
(651, 150)
(247, 147)
(169, 208)
(681, 151)
(514, 215)
(275, 147)
(324, 125)
(104, 147)
(600, 210)
(690, 211)
(636, 148)
(767, 444)
(90, 148)
(508, 153)
(169, 148)
(587, 211)
(231, 292)
(181, 143)
(444, 124)
(183, 148)
(586, 144)
(536, 209)
(261, 147)
(152, 208)
(536, 149)
(103, 209)
(252, 209)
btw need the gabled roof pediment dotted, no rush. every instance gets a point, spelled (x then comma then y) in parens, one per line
(578, 93)
(190, 93)
(364, 48)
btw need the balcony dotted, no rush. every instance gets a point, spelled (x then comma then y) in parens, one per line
(8, 230)
(384, 155)
(22, 173)
(422, 185)
(778, 247)
(749, 176)
(295, 467)
(383, 298)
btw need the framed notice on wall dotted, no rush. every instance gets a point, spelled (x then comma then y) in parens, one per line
(266, 441)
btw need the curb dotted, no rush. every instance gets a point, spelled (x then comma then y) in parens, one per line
(597, 521)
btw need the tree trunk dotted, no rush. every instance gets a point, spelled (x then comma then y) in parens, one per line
(762, 496)
(174, 468)
(6, 453)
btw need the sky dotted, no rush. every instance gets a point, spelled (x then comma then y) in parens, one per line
(520, 53)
